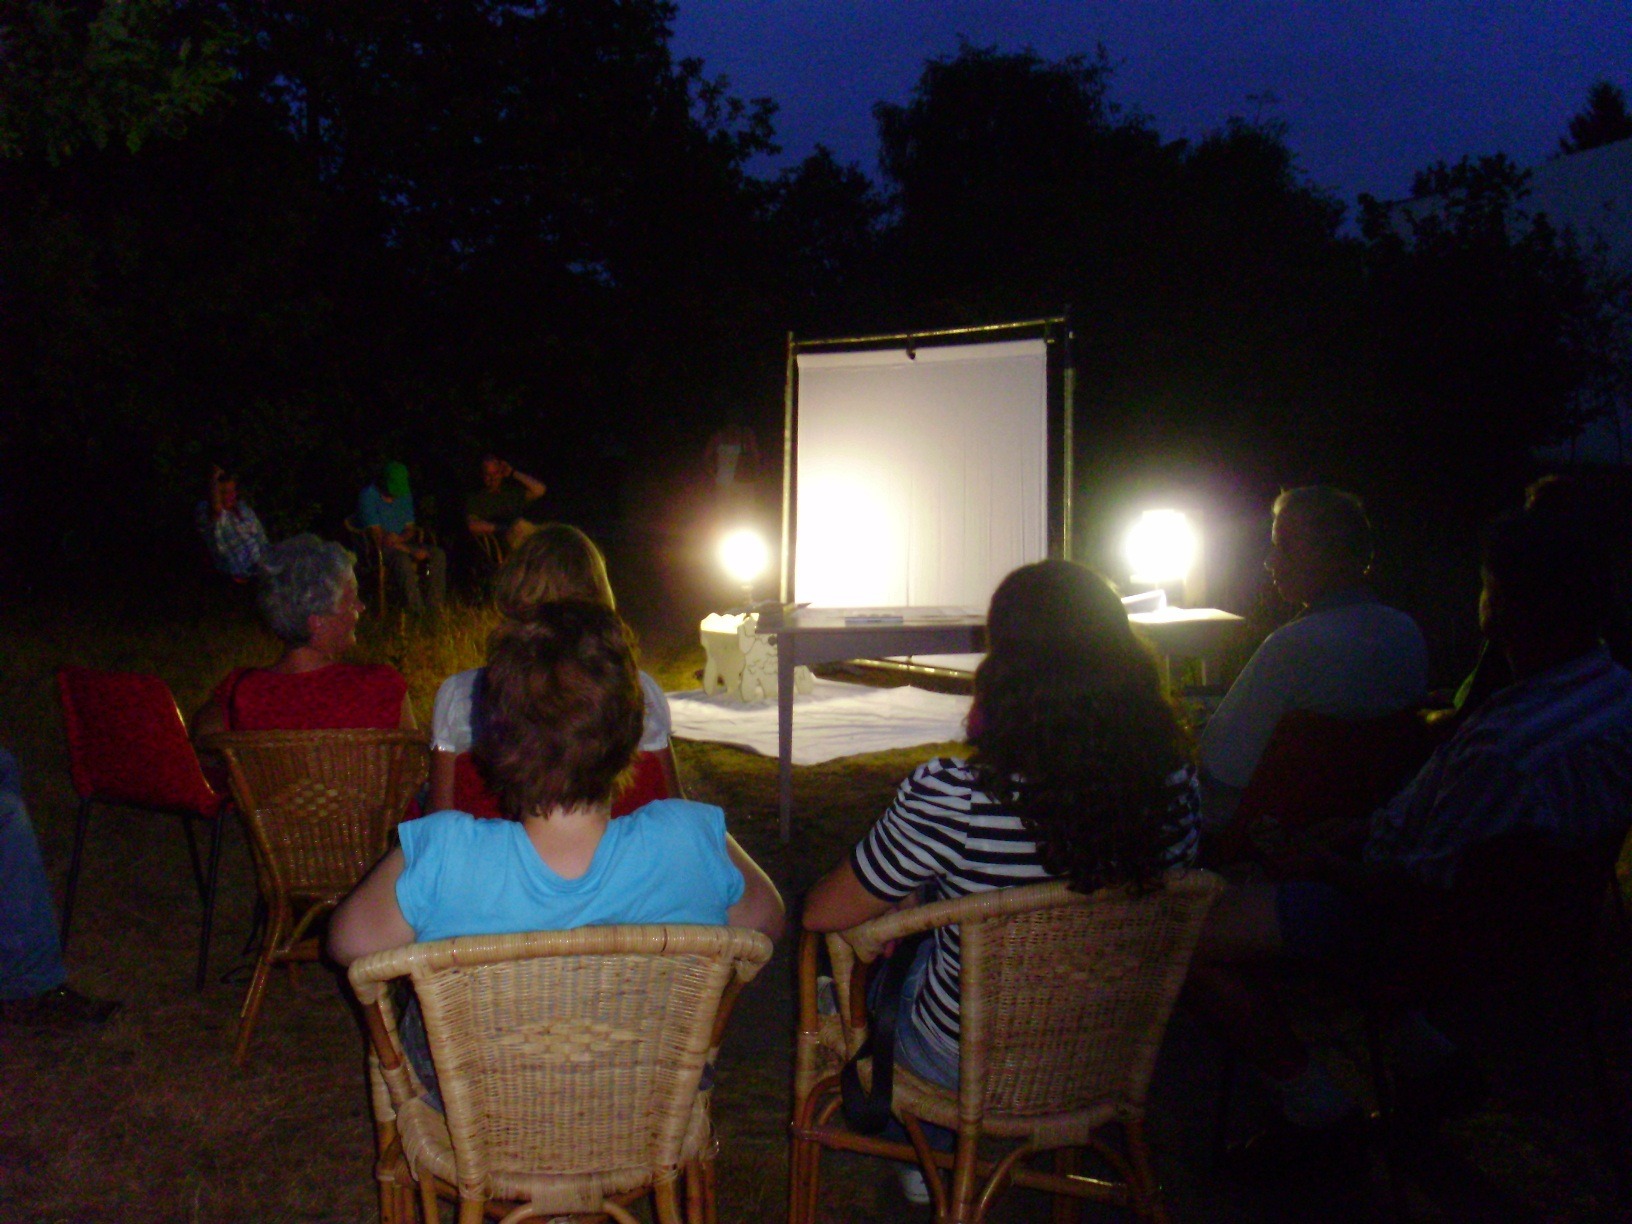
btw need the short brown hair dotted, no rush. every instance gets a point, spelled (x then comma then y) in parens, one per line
(557, 562)
(559, 708)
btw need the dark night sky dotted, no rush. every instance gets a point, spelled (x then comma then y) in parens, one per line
(1370, 90)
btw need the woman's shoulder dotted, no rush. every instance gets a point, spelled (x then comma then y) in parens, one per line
(451, 829)
(949, 777)
(668, 814)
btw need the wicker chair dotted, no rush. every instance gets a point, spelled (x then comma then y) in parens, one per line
(1063, 998)
(570, 1064)
(320, 807)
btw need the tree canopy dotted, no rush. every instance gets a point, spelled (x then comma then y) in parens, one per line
(300, 237)
(1603, 120)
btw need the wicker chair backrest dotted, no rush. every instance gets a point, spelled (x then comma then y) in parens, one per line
(1063, 1005)
(571, 1055)
(321, 805)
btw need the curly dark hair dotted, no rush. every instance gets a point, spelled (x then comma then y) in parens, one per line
(559, 708)
(1072, 731)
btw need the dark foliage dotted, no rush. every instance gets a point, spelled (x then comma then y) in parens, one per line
(298, 238)
(1603, 120)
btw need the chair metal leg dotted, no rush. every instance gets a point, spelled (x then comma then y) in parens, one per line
(81, 819)
(217, 832)
(192, 855)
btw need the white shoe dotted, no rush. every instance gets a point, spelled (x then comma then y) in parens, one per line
(913, 1186)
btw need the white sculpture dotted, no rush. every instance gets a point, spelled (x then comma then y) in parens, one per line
(741, 661)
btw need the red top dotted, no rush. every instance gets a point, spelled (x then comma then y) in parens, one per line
(337, 697)
(646, 784)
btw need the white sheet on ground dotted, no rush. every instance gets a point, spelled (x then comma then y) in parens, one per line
(837, 720)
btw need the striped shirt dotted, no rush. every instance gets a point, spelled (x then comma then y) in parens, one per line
(944, 834)
(1551, 753)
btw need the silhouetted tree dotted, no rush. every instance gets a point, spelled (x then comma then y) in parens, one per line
(1495, 334)
(1206, 281)
(351, 229)
(1603, 120)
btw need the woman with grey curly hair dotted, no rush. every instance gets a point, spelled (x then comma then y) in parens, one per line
(307, 595)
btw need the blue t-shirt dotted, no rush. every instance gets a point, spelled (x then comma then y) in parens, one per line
(391, 517)
(665, 862)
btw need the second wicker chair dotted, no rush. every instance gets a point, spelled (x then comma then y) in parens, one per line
(1063, 1002)
(320, 807)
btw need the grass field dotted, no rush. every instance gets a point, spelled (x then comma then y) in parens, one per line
(147, 1120)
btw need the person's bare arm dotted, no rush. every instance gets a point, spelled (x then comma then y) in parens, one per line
(479, 526)
(533, 485)
(761, 907)
(370, 920)
(839, 901)
(442, 773)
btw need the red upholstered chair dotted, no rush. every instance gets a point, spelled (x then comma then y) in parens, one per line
(1317, 767)
(128, 747)
(470, 792)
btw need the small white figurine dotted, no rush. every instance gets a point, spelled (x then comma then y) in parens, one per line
(743, 662)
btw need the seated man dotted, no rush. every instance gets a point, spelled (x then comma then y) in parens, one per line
(1549, 755)
(33, 984)
(385, 509)
(504, 507)
(1346, 655)
(231, 531)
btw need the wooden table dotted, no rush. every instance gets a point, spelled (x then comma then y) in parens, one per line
(830, 635)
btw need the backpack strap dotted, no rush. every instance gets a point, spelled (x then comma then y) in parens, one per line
(869, 1112)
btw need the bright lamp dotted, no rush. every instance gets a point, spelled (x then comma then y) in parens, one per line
(1161, 548)
(744, 555)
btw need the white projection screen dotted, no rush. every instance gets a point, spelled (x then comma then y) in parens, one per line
(925, 472)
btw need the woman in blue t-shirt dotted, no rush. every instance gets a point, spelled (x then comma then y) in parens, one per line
(562, 712)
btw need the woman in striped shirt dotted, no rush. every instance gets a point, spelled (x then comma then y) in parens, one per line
(1080, 770)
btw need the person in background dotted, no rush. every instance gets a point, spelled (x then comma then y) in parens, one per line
(308, 597)
(385, 509)
(230, 528)
(34, 990)
(558, 562)
(732, 462)
(1346, 655)
(504, 505)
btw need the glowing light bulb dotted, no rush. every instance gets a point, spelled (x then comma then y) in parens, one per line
(744, 555)
(1161, 547)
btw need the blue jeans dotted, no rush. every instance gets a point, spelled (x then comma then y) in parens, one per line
(913, 1048)
(30, 956)
(914, 1051)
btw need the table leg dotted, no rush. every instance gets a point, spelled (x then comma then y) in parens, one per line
(784, 734)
